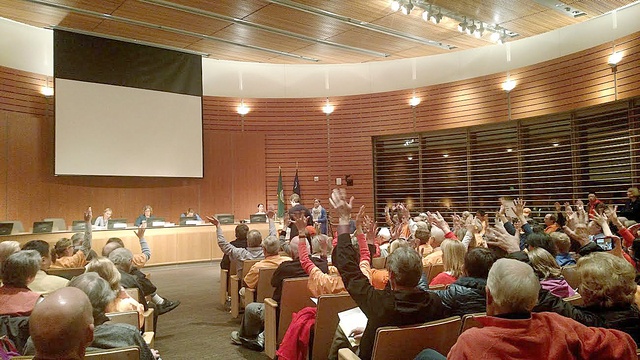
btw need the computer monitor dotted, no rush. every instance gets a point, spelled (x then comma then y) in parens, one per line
(6, 228)
(117, 224)
(42, 227)
(188, 220)
(158, 221)
(225, 219)
(258, 218)
(79, 225)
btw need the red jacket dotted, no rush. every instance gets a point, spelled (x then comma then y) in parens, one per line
(295, 344)
(543, 336)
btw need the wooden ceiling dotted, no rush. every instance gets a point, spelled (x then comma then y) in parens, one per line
(278, 31)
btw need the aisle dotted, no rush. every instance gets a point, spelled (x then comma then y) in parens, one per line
(198, 328)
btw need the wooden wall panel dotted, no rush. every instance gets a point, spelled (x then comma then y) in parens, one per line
(243, 154)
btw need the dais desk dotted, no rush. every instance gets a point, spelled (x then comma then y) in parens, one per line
(169, 245)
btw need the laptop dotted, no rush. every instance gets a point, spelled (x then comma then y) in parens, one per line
(6, 228)
(188, 220)
(117, 224)
(225, 219)
(79, 225)
(40, 227)
(155, 222)
(258, 218)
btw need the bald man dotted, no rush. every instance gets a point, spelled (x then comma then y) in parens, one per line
(61, 326)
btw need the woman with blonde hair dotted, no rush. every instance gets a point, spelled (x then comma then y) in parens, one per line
(123, 302)
(549, 273)
(453, 252)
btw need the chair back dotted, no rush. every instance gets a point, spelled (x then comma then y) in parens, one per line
(570, 273)
(295, 297)
(379, 262)
(434, 270)
(404, 343)
(246, 266)
(264, 288)
(125, 317)
(233, 267)
(124, 353)
(471, 320)
(67, 273)
(58, 224)
(327, 321)
(575, 300)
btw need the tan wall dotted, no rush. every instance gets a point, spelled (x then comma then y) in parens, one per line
(288, 131)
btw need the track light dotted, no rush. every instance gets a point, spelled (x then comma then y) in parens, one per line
(463, 25)
(436, 18)
(395, 5)
(406, 8)
(479, 31)
(242, 109)
(426, 14)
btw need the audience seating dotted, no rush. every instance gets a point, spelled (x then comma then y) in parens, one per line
(470, 321)
(224, 281)
(575, 300)
(234, 287)
(327, 321)
(379, 262)
(149, 321)
(58, 224)
(295, 296)
(124, 353)
(67, 273)
(263, 290)
(571, 275)
(131, 318)
(404, 343)
(435, 270)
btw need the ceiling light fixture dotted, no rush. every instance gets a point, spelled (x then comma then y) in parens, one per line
(508, 85)
(242, 109)
(327, 108)
(395, 5)
(406, 8)
(426, 15)
(414, 101)
(614, 59)
(463, 25)
(479, 31)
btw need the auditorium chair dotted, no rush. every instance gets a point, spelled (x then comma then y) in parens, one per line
(263, 289)
(471, 320)
(435, 270)
(327, 321)
(131, 318)
(235, 283)
(570, 273)
(295, 297)
(67, 273)
(379, 262)
(149, 319)
(123, 353)
(224, 281)
(404, 343)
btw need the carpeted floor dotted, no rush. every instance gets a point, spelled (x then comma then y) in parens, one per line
(199, 328)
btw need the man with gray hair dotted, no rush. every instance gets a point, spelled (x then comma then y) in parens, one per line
(512, 331)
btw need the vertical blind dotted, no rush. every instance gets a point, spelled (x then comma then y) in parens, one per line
(543, 160)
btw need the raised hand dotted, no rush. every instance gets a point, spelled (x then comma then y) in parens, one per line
(612, 213)
(339, 202)
(579, 206)
(214, 220)
(501, 238)
(519, 205)
(360, 220)
(88, 214)
(140, 232)
(438, 221)
(567, 209)
(271, 212)
(301, 222)
(600, 219)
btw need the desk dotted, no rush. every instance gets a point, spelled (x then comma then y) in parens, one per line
(169, 245)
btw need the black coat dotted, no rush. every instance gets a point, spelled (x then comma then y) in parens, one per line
(465, 296)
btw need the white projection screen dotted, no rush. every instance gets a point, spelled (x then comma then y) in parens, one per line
(124, 109)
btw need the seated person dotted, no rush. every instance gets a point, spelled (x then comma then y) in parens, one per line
(131, 278)
(7, 248)
(549, 273)
(467, 294)
(240, 242)
(147, 210)
(630, 212)
(18, 271)
(106, 335)
(550, 221)
(423, 235)
(435, 240)
(191, 213)
(63, 255)
(139, 260)
(563, 244)
(260, 209)
(64, 314)
(403, 304)
(123, 302)
(103, 220)
(44, 283)
(453, 252)
(272, 259)
(512, 331)
(319, 282)
(377, 277)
